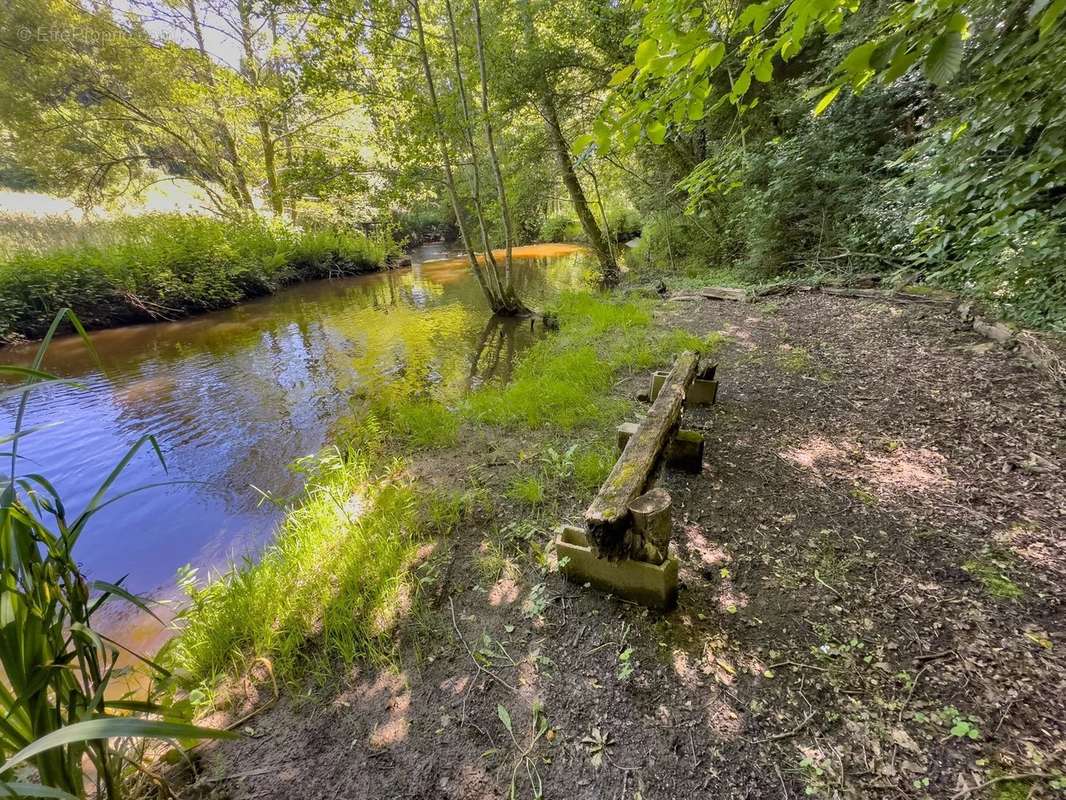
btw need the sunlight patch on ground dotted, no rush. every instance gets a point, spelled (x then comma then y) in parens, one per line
(504, 592)
(899, 469)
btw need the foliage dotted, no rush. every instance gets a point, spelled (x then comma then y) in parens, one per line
(335, 571)
(164, 266)
(954, 171)
(58, 705)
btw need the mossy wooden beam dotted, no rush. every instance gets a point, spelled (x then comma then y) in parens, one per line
(608, 518)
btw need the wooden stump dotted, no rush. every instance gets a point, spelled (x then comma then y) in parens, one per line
(652, 526)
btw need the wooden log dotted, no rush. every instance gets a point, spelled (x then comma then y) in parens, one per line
(685, 450)
(652, 526)
(725, 293)
(608, 518)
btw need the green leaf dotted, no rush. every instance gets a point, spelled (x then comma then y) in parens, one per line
(960, 23)
(944, 58)
(695, 109)
(764, 70)
(657, 132)
(857, 61)
(646, 51)
(742, 83)
(1050, 16)
(623, 75)
(505, 717)
(901, 62)
(32, 790)
(826, 100)
(109, 728)
(581, 143)
(709, 57)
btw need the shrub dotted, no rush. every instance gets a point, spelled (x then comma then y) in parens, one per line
(170, 265)
(561, 228)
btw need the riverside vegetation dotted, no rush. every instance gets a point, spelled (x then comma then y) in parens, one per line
(899, 567)
(168, 266)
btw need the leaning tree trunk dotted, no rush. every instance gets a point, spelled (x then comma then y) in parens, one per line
(491, 293)
(608, 266)
(597, 241)
(494, 159)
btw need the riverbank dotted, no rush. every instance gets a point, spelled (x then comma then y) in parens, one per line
(871, 562)
(165, 267)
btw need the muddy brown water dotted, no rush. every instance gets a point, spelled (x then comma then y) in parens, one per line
(234, 397)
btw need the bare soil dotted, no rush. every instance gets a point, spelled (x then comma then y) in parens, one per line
(872, 600)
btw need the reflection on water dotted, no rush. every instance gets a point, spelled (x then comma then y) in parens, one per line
(235, 396)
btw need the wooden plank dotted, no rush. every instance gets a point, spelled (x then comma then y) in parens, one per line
(608, 518)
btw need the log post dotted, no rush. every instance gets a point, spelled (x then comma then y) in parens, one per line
(652, 526)
(608, 517)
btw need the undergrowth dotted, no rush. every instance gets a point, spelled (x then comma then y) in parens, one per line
(168, 265)
(341, 567)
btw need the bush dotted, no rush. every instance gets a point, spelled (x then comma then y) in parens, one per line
(166, 266)
(561, 228)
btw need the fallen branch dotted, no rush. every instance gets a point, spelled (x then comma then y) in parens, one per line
(786, 734)
(473, 658)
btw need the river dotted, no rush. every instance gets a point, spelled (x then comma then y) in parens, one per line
(235, 396)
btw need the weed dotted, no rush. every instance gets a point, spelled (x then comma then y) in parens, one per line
(169, 265)
(625, 664)
(337, 568)
(990, 572)
(596, 744)
(527, 489)
(794, 359)
(425, 423)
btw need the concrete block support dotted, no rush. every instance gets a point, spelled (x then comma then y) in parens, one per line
(702, 393)
(651, 585)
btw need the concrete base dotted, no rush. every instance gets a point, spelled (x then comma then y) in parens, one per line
(651, 585)
(685, 450)
(702, 393)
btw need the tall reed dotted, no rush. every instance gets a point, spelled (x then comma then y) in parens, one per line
(56, 710)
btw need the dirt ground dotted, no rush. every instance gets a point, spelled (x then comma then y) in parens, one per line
(872, 601)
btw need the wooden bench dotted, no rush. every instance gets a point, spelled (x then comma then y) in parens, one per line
(624, 548)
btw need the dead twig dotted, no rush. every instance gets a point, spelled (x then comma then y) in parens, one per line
(470, 653)
(787, 734)
(1021, 776)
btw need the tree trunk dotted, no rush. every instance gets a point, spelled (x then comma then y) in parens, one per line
(608, 267)
(495, 302)
(494, 160)
(240, 181)
(468, 130)
(266, 135)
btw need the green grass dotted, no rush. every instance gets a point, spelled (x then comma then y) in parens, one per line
(167, 266)
(527, 489)
(332, 576)
(565, 381)
(990, 573)
(425, 424)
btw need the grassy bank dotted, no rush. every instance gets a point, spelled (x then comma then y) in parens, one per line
(167, 266)
(342, 568)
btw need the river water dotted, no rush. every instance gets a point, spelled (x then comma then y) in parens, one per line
(235, 396)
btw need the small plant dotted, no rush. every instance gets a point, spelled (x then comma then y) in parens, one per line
(596, 744)
(990, 573)
(536, 601)
(964, 728)
(625, 664)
